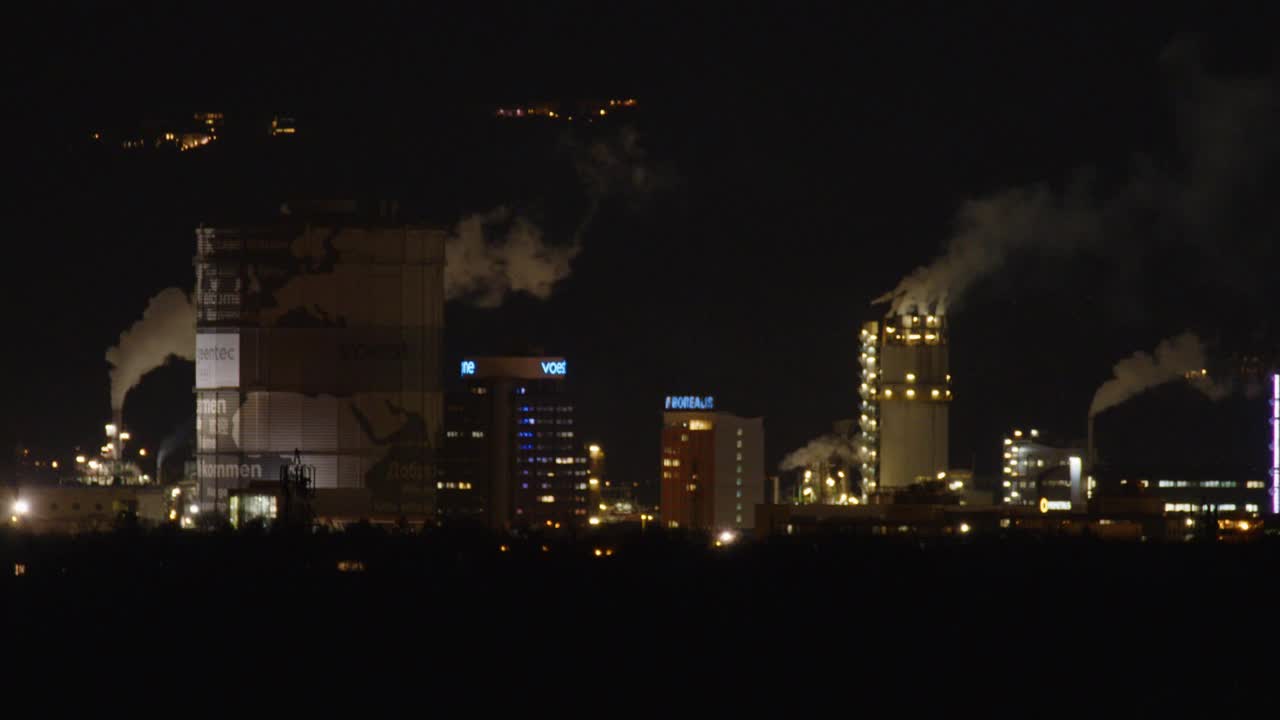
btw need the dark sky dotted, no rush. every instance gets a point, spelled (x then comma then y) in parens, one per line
(802, 161)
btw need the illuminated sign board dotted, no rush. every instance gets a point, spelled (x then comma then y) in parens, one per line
(690, 402)
(530, 368)
(217, 360)
(1046, 505)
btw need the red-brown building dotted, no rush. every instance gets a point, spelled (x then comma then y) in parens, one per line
(712, 466)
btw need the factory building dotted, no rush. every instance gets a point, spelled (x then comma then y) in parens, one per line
(905, 395)
(712, 466)
(1036, 472)
(511, 456)
(830, 480)
(320, 336)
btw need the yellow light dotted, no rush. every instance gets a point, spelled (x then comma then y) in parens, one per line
(599, 552)
(831, 482)
(911, 394)
(557, 526)
(54, 464)
(142, 452)
(593, 520)
(839, 473)
(80, 459)
(502, 548)
(964, 527)
(1244, 525)
(603, 506)
(93, 464)
(594, 449)
(593, 482)
(911, 377)
(1017, 433)
(941, 475)
(888, 393)
(173, 514)
(111, 430)
(935, 393)
(602, 112)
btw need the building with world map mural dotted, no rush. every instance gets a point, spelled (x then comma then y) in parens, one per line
(320, 338)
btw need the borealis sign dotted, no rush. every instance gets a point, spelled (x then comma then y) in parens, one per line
(690, 402)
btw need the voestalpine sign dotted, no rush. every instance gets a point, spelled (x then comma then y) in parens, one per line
(690, 402)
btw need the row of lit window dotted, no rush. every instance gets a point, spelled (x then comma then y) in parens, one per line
(670, 462)
(545, 421)
(1223, 507)
(453, 486)
(455, 433)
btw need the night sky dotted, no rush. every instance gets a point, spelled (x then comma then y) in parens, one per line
(798, 163)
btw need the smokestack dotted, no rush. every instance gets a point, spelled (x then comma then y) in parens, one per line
(1089, 458)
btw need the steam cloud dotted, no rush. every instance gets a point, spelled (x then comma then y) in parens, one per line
(485, 269)
(1176, 358)
(1214, 194)
(821, 449)
(495, 253)
(167, 328)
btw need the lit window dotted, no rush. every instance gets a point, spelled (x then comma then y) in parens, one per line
(684, 438)
(739, 443)
(739, 431)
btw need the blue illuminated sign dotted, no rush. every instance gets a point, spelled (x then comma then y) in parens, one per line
(555, 367)
(690, 402)
(468, 367)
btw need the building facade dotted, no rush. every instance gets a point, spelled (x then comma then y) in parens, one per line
(712, 466)
(511, 456)
(1037, 472)
(322, 339)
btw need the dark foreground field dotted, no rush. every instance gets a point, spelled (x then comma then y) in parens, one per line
(658, 621)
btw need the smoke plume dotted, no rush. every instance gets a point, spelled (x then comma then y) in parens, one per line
(493, 254)
(824, 448)
(1176, 358)
(1212, 194)
(167, 328)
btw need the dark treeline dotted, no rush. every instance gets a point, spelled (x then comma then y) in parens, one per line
(1019, 618)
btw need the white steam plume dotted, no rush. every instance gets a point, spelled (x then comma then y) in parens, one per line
(820, 450)
(167, 328)
(1176, 358)
(1213, 195)
(492, 254)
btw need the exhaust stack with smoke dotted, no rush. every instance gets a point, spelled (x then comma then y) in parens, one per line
(1181, 357)
(905, 391)
(166, 329)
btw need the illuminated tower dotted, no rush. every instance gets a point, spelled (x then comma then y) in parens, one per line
(906, 390)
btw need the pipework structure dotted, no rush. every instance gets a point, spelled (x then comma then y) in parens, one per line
(905, 392)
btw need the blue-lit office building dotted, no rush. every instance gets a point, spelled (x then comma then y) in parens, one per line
(511, 457)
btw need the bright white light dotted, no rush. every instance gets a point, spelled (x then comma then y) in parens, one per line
(964, 527)
(21, 507)
(174, 492)
(728, 536)
(593, 520)
(111, 430)
(193, 509)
